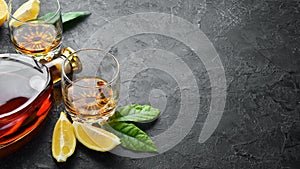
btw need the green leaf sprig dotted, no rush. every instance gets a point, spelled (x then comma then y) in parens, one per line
(67, 16)
(136, 113)
(131, 136)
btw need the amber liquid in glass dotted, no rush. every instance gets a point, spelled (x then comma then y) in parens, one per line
(36, 40)
(25, 100)
(89, 99)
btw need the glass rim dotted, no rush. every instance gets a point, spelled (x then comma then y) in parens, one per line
(114, 78)
(57, 11)
(17, 57)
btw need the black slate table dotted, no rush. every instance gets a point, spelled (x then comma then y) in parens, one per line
(225, 74)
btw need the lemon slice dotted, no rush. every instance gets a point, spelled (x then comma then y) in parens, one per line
(27, 11)
(95, 138)
(3, 12)
(63, 139)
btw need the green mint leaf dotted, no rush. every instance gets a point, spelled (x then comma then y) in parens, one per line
(136, 113)
(131, 136)
(46, 16)
(68, 16)
(72, 15)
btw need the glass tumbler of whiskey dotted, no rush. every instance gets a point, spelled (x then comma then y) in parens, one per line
(91, 94)
(40, 37)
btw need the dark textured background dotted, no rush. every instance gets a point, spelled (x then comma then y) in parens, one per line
(258, 42)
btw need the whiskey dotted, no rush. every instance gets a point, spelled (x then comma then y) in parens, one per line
(37, 40)
(89, 99)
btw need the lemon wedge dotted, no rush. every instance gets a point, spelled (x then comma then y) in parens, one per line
(27, 11)
(63, 139)
(95, 138)
(3, 12)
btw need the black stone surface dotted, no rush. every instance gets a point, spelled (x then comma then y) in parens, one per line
(258, 42)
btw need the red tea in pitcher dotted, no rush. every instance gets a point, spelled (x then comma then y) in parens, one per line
(25, 96)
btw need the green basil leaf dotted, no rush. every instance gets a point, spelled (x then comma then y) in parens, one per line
(68, 16)
(131, 136)
(136, 113)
